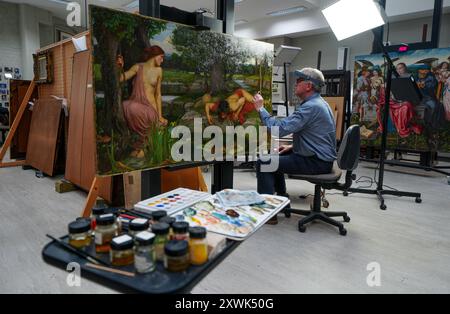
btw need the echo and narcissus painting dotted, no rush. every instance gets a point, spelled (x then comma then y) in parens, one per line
(152, 75)
(424, 126)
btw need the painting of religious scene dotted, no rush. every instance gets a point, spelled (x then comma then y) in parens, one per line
(424, 126)
(151, 76)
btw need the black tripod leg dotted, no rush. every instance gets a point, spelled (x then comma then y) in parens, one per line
(381, 198)
(417, 196)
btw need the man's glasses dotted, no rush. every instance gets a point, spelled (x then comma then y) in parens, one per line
(300, 80)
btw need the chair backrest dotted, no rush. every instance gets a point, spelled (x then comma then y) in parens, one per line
(348, 154)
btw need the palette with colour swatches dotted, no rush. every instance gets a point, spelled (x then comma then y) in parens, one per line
(172, 201)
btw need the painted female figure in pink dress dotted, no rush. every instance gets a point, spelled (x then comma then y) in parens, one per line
(143, 110)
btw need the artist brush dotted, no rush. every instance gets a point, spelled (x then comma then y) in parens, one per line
(111, 270)
(135, 213)
(79, 252)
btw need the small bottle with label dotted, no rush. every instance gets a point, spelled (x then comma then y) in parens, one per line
(122, 253)
(137, 225)
(176, 257)
(198, 246)
(180, 231)
(80, 233)
(95, 213)
(161, 231)
(144, 252)
(105, 231)
(158, 215)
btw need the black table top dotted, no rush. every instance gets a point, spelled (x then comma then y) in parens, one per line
(158, 282)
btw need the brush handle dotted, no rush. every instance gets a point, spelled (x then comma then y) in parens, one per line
(78, 252)
(111, 270)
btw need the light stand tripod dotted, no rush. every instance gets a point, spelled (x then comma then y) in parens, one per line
(380, 191)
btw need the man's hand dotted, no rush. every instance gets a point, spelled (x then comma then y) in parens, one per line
(258, 100)
(210, 120)
(284, 149)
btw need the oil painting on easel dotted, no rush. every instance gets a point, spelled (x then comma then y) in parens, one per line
(152, 75)
(424, 126)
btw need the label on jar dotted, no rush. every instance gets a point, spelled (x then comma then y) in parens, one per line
(98, 238)
(122, 239)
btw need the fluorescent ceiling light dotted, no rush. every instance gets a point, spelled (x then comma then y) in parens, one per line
(288, 11)
(351, 17)
(239, 22)
(65, 2)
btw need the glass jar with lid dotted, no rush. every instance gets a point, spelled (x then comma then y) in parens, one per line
(176, 258)
(161, 231)
(80, 233)
(144, 252)
(158, 215)
(105, 231)
(170, 221)
(137, 225)
(180, 231)
(96, 212)
(116, 213)
(122, 253)
(198, 246)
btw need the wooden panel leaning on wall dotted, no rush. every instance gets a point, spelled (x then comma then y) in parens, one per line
(81, 145)
(45, 131)
(18, 89)
(337, 105)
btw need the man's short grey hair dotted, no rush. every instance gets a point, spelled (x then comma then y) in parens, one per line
(317, 76)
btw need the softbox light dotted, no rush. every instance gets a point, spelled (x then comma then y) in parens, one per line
(351, 17)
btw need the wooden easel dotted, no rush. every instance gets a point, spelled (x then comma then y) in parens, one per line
(92, 196)
(14, 127)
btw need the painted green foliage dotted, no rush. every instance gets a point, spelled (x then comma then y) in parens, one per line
(199, 68)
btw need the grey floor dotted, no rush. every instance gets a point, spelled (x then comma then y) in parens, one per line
(410, 242)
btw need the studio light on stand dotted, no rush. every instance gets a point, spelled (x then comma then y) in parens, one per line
(348, 18)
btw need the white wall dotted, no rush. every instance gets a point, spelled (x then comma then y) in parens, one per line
(400, 32)
(10, 45)
(23, 30)
(29, 20)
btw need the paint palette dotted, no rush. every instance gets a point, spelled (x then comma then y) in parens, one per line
(171, 202)
(236, 222)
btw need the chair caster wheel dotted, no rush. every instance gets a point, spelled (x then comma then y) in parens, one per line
(287, 215)
(325, 204)
(302, 229)
(383, 207)
(418, 200)
(345, 193)
(346, 218)
(343, 232)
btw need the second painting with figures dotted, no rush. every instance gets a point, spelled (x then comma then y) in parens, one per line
(151, 76)
(424, 126)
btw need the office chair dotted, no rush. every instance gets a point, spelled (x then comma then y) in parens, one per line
(348, 157)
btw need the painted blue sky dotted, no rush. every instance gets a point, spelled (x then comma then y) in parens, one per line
(164, 39)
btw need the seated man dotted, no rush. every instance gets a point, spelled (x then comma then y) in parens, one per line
(239, 104)
(314, 141)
